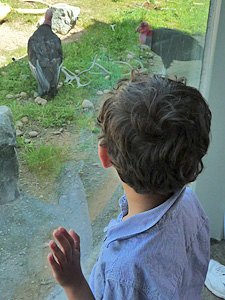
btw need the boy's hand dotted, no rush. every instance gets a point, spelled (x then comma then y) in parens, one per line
(65, 262)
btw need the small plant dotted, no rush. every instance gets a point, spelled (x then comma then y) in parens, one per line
(45, 160)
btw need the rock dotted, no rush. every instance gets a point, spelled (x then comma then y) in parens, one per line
(4, 10)
(19, 132)
(99, 93)
(9, 96)
(41, 101)
(60, 84)
(56, 132)
(107, 77)
(19, 124)
(27, 141)
(77, 71)
(4, 73)
(33, 133)
(106, 91)
(64, 17)
(8, 158)
(23, 94)
(24, 120)
(87, 104)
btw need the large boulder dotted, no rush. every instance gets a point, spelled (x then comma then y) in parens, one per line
(64, 17)
(9, 165)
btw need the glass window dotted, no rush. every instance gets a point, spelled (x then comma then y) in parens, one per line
(51, 175)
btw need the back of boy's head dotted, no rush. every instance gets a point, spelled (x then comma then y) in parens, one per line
(157, 132)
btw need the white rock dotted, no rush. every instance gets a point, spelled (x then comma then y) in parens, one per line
(87, 104)
(33, 133)
(107, 77)
(24, 120)
(60, 84)
(4, 10)
(19, 124)
(23, 94)
(27, 141)
(99, 93)
(77, 71)
(56, 132)
(106, 91)
(40, 101)
(19, 132)
(9, 96)
(4, 73)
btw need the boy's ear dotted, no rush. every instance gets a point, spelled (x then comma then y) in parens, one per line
(104, 157)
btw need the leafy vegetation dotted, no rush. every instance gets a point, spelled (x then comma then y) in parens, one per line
(97, 38)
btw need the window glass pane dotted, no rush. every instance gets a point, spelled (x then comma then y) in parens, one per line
(51, 175)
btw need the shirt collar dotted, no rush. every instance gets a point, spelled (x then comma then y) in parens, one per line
(118, 229)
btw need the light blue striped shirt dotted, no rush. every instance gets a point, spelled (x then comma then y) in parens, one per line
(160, 254)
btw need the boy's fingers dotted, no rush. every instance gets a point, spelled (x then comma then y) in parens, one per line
(67, 235)
(58, 253)
(54, 265)
(76, 239)
(65, 244)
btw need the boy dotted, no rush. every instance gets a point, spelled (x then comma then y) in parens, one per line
(155, 132)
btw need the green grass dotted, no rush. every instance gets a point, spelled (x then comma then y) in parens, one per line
(97, 39)
(45, 160)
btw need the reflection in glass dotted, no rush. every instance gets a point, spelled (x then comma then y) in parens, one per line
(81, 194)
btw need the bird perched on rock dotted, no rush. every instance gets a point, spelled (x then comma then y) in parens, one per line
(45, 57)
(170, 44)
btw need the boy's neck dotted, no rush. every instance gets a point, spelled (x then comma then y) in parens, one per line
(138, 203)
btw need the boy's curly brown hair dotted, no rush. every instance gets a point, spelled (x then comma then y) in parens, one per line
(156, 131)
